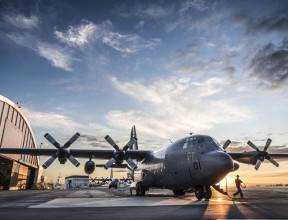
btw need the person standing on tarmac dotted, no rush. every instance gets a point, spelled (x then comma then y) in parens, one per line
(238, 186)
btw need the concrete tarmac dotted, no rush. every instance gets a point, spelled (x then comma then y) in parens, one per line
(259, 203)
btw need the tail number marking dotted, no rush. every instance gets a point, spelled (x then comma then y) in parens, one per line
(197, 166)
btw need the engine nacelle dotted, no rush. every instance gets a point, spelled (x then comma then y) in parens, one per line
(89, 167)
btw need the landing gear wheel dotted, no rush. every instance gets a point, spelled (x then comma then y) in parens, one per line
(199, 193)
(178, 192)
(140, 191)
(208, 193)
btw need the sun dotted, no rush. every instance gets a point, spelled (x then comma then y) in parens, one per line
(230, 181)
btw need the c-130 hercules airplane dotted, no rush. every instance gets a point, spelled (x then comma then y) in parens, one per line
(195, 163)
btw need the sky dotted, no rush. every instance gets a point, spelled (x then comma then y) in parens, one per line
(168, 67)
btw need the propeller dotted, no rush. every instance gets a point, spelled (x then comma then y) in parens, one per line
(263, 154)
(120, 155)
(105, 180)
(226, 144)
(62, 151)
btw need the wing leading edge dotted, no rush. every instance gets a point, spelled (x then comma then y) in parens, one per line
(80, 153)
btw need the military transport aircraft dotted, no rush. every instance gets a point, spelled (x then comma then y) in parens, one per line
(196, 162)
(94, 182)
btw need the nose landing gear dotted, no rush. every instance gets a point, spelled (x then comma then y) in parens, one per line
(203, 192)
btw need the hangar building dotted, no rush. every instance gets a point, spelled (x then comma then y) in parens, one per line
(16, 171)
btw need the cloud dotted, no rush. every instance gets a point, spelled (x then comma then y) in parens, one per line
(268, 23)
(229, 71)
(212, 63)
(151, 11)
(88, 32)
(57, 55)
(183, 54)
(270, 66)
(94, 141)
(198, 68)
(190, 70)
(21, 21)
(177, 105)
(78, 35)
(140, 24)
(51, 121)
(62, 125)
(199, 5)
(128, 43)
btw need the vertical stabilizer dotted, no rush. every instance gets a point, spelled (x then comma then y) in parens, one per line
(133, 134)
(111, 174)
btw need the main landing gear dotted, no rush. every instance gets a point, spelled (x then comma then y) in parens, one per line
(140, 190)
(178, 192)
(203, 192)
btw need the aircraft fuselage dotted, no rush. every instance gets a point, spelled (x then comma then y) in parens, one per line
(197, 160)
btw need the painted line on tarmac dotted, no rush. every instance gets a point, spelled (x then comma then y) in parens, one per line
(122, 202)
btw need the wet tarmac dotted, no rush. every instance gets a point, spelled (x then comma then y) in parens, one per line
(258, 203)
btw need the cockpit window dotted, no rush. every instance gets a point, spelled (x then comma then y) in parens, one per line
(202, 142)
(185, 144)
(213, 143)
(189, 142)
(216, 142)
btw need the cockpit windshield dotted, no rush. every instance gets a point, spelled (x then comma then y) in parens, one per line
(202, 142)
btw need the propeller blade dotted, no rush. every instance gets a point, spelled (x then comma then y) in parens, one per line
(52, 140)
(253, 146)
(73, 161)
(273, 162)
(258, 163)
(268, 142)
(49, 162)
(129, 144)
(131, 165)
(109, 163)
(72, 140)
(112, 143)
(226, 144)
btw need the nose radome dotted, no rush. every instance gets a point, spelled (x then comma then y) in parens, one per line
(227, 161)
(218, 164)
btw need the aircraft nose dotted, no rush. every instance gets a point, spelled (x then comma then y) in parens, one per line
(217, 165)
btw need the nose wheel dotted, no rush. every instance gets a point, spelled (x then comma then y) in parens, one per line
(208, 193)
(203, 192)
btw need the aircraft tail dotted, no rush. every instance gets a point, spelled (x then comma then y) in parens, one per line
(111, 174)
(133, 134)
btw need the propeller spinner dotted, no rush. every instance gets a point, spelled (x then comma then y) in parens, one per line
(263, 154)
(120, 155)
(62, 151)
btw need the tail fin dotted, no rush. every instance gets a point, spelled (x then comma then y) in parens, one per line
(133, 134)
(111, 174)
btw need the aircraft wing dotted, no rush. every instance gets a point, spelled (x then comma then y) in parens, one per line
(250, 154)
(80, 153)
(257, 157)
(279, 155)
